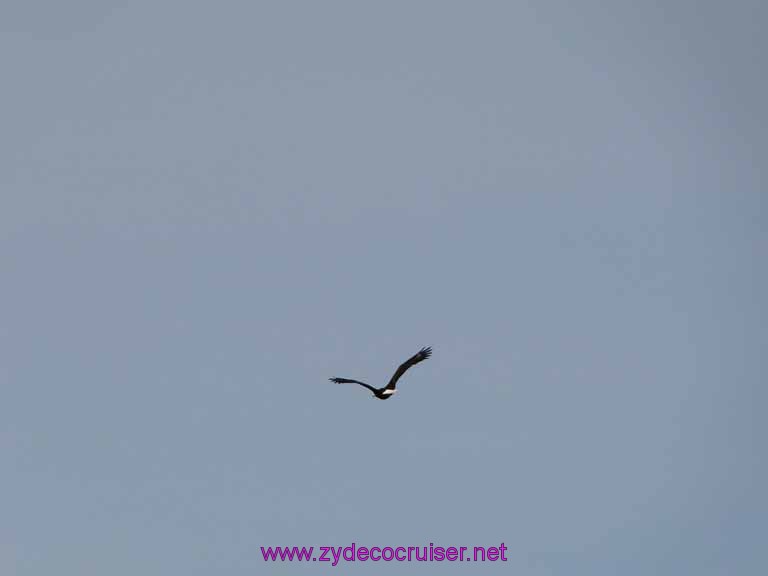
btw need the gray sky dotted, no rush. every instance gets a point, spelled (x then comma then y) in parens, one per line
(208, 209)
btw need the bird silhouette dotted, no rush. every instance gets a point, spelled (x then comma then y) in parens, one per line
(388, 390)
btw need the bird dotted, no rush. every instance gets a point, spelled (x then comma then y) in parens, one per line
(388, 390)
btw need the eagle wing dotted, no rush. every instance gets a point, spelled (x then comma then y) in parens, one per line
(348, 381)
(420, 356)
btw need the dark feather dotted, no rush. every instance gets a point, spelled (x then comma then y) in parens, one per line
(420, 356)
(348, 381)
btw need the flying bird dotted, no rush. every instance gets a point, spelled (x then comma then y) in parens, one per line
(386, 392)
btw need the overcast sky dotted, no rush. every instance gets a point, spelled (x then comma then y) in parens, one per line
(207, 209)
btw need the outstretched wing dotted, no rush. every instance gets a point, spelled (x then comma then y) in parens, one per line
(347, 381)
(421, 355)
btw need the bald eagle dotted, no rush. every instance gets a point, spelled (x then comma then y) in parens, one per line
(386, 392)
